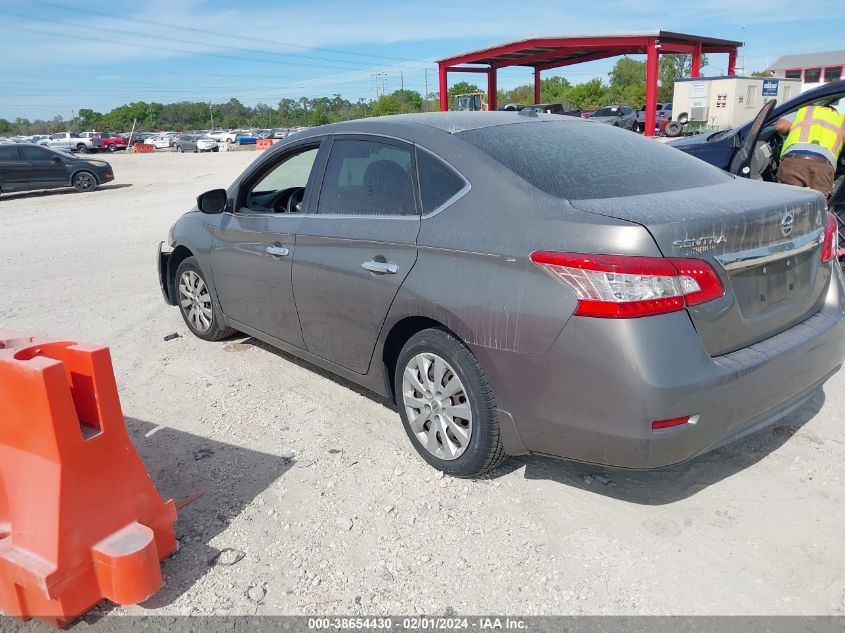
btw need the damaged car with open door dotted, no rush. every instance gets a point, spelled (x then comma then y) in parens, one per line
(753, 150)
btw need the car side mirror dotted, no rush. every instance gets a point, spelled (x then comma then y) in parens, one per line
(58, 160)
(213, 201)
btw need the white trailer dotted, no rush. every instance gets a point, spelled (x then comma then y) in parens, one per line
(708, 104)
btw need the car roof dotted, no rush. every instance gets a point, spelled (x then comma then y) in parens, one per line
(450, 122)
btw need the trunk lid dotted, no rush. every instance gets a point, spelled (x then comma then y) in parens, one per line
(763, 240)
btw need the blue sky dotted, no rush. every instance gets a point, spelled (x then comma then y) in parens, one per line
(62, 55)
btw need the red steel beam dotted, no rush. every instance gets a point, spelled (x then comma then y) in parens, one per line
(586, 58)
(652, 71)
(695, 71)
(492, 95)
(466, 69)
(732, 62)
(536, 85)
(444, 88)
(633, 42)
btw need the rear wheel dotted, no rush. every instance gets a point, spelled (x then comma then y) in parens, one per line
(195, 303)
(82, 148)
(84, 181)
(446, 405)
(179, 149)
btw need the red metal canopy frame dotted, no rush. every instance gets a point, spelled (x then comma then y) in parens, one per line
(545, 53)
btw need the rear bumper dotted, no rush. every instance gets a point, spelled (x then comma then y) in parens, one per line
(163, 262)
(593, 395)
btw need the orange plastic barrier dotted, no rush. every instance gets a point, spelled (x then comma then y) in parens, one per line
(143, 148)
(263, 143)
(80, 518)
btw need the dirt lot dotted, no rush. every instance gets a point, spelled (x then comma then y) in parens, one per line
(316, 484)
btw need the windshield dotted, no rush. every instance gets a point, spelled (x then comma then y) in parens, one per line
(61, 152)
(606, 112)
(569, 159)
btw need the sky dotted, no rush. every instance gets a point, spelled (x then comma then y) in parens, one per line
(57, 56)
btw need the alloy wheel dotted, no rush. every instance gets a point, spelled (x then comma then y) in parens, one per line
(195, 301)
(437, 405)
(85, 182)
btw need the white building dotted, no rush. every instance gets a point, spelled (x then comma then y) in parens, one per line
(813, 69)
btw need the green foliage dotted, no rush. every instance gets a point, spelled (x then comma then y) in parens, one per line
(590, 94)
(761, 73)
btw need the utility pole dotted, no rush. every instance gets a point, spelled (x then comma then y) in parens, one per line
(402, 79)
(211, 114)
(425, 99)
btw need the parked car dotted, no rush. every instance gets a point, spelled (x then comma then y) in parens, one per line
(478, 269)
(663, 111)
(616, 115)
(547, 108)
(74, 142)
(219, 135)
(263, 134)
(195, 143)
(27, 167)
(160, 142)
(278, 133)
(245, 138)
(37, 138)
(231, 135)
(112, 142)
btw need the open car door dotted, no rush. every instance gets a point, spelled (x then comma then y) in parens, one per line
(741, 161)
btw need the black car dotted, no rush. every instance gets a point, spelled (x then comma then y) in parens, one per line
(26, 167)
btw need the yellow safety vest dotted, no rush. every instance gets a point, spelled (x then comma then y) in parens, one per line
(817, 125)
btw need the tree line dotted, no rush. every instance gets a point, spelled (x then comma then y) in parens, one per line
(625, 84)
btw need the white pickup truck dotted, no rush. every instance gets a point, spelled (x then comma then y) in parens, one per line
(74, 142)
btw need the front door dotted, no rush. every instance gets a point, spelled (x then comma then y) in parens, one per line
(45, 168)
(254, 245)
(354, 253)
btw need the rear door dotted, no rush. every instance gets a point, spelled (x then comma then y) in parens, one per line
(353, 254)
(12, 168)
(44, 168)
(254, 244)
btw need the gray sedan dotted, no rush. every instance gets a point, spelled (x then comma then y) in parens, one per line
(513, 296)
(618, 116)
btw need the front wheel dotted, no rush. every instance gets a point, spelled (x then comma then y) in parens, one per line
(195, 303)
(447, 405)
(112, 147)
(84, 182)
(82, 149)
(179, 149)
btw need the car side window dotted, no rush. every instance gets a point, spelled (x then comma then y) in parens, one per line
(282, 188)
(438, 182)
(36, 153)
(368, 178)
(8, 153)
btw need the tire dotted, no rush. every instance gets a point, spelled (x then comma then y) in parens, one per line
(673, 129)
(82, 148)
(84, 181)
(112, 148)
(200, 313)
(179, 149)
(215, 149)
(468, 446)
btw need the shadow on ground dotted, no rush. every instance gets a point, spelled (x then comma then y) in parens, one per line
(663, 486)
(645, 487)
(343, 382)
(182, 465)
(23, 195)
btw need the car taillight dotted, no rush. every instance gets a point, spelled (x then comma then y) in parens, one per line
(625, 287)
(831, 238)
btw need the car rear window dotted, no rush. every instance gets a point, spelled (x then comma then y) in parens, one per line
(588, 160)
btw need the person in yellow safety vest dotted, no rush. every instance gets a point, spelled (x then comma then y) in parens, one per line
(813, 143)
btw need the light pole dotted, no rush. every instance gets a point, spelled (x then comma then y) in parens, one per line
(211, 114)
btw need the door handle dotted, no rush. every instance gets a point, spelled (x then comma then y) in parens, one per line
(383, 268)
(278, 251)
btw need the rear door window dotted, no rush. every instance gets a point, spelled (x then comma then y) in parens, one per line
(366, 177)
(8, 153)
(438, 182)
(36, 153)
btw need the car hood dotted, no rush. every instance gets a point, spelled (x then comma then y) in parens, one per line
(695, 142)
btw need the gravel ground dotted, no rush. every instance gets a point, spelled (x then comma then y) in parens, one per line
(327, 509)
